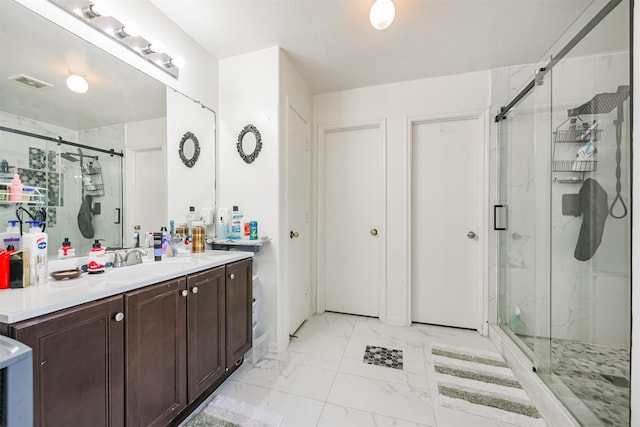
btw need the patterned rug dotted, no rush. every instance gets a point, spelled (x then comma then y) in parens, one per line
(481, 383)
(224, 411)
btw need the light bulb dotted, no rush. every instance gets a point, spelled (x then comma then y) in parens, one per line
(177, 61)
(98, 9)
(128, 30)
(77, 84)
(382, 14)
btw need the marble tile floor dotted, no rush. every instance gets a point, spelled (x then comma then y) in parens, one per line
(598, 375)
(321, 379)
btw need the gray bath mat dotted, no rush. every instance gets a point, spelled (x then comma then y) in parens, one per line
(481, 383)
(224, 411)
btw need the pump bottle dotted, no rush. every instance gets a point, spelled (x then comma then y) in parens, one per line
(35, 241)
(96, 258)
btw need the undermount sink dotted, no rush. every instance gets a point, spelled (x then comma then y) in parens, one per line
(152, 268)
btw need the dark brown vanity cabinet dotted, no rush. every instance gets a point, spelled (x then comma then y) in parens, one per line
(142, 357)
(155, 349)
(78, 363)
(239, 302)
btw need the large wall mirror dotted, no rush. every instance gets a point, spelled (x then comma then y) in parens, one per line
(67, 145)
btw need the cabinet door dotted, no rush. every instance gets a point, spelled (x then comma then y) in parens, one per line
(156, 353)
(205, 333)
(78, 365)
(238, 294)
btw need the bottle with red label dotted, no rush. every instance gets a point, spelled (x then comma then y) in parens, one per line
(96, 258)
(66, 250)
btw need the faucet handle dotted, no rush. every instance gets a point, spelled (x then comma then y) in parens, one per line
(118, 261)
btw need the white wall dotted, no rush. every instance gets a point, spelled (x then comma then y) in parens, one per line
(396, 103)
(249, 94)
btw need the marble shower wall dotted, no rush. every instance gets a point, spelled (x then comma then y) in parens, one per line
(590, 300)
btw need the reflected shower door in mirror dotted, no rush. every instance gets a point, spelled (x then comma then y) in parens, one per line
(122, 108)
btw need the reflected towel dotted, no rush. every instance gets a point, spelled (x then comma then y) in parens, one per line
(595, 209)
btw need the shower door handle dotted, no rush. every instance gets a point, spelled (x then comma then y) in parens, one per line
(495, 217)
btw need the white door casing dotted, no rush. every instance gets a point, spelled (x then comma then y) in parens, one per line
(351, 219)
(447, 187)
(298, 239)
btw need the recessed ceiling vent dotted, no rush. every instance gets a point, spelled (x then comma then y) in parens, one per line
(30, 81)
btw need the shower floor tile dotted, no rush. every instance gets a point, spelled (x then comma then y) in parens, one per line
(597, 375)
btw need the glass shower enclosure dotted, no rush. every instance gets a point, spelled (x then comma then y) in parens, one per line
(564, 220)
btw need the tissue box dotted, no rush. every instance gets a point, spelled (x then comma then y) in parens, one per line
(19, 276)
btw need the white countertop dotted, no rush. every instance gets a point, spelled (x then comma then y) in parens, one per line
(22, 304)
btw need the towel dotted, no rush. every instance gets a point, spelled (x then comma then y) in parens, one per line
(84, 218)
(595, 209)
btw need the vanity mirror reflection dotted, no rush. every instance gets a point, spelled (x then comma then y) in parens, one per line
(74, 147)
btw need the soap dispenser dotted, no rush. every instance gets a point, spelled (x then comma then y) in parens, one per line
(66, 250)
(96, 258)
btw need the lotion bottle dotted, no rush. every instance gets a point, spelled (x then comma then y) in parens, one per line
(236, 224)
(11, 236)
(66, 250)
(15, 189)
(35, 241)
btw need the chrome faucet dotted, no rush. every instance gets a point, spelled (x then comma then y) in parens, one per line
(117, 259)
(137, 254)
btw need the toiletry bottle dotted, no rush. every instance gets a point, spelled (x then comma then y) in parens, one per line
(136, 236)
(66, 250)
(164, 239)
(96, 258)
(35, 241)
(236, 224)
(246, 229)
(191, 216)
(222, 226)
(11, 236)
(157, 245)
(15, 189)
(253, 230)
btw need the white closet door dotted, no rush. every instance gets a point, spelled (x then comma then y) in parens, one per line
(298, 227)
(445, 248)
(353, 214)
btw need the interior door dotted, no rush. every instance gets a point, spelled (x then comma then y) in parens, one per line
(297, 208)
(445, 248)
(353, 219)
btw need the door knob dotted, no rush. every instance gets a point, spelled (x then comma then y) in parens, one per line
(374, 232)
(294, 234)
(471, 235)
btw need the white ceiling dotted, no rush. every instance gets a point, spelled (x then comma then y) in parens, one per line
(334, 47)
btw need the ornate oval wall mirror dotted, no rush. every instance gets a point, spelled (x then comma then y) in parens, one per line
(249, 143)
(189, 149)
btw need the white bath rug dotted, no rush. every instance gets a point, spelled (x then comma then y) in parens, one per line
(481, 383)
(224, 411)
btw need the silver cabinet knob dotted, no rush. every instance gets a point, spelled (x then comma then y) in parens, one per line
(232, 276)
(185, 293)
(118, 317)
(294, 234)
(471, 235)
(194, 289)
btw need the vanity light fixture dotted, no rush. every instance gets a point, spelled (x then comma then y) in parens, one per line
(155, 47)
(127, 30)
(96, 9)
(77, 84)
(96, 14)
(382, 14)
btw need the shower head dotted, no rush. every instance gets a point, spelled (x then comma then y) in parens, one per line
(602, 103)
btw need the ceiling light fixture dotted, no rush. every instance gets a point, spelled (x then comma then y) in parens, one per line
(382, 14)
(77, 84)
(96, 14)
